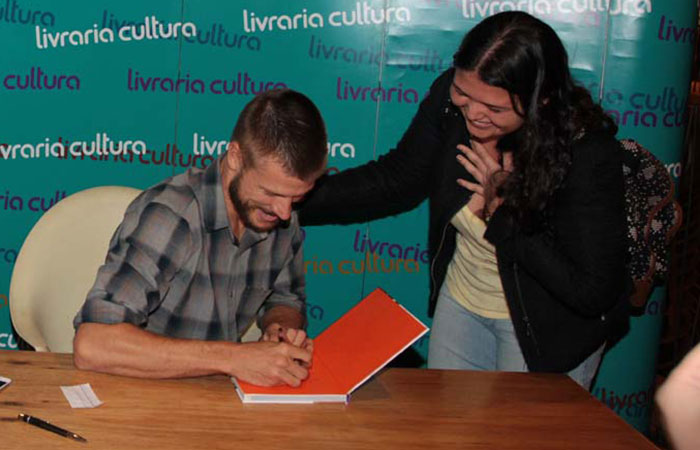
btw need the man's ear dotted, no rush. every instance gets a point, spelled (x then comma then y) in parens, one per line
(234, 158)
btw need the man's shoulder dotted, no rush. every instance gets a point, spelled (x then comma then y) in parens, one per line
(290, 234)
(176, 193)
(294, 225)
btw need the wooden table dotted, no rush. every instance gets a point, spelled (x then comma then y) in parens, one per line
(401, 408)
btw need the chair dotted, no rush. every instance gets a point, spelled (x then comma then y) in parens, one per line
(57, 264)
(58, 261)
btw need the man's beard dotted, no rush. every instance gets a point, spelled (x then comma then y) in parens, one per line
(244, 209)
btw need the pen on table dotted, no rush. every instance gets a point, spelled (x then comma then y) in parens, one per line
(49, 427)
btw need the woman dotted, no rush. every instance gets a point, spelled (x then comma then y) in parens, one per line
(527, 225)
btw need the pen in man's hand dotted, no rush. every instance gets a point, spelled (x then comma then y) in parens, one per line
(49, 427)
(283, 337)
(303, 343)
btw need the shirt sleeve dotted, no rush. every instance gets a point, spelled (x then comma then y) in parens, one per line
(289, 288)
(145, 252)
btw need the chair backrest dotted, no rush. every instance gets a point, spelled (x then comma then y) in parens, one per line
(58, 262)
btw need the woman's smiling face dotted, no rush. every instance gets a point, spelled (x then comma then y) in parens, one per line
(487, 110)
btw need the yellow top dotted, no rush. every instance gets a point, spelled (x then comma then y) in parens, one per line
(472, 276)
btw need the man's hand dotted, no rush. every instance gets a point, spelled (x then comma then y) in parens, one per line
(125, 349)
(270, 363)
(277, 333)
(294, 336)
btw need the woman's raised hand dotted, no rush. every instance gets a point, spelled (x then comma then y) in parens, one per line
(489, 175)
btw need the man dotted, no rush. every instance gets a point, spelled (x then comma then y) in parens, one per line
(201, 255)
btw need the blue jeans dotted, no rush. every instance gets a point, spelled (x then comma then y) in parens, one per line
(460, 339)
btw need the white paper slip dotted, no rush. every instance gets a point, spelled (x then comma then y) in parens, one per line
(81, 396)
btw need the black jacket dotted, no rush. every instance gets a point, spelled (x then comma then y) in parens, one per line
(566, 289)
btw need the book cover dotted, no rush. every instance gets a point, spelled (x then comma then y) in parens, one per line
(347, 353)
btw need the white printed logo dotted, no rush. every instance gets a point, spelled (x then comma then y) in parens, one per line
(362, 14)
(478, 9)
(151, 28)
(7, 341)
(342, 150)
(101, 145)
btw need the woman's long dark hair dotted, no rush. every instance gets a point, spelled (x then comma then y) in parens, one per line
(523, 55)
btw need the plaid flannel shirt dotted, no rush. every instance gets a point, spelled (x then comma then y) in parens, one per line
(175, 268)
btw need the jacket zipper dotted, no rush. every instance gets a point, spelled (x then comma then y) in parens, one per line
(526, 319)
(436, 289)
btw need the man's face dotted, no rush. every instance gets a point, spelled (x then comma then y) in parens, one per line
(263, 195)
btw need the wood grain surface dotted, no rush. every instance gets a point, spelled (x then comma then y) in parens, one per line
(399, 409)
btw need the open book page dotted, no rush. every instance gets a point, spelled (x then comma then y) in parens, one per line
(366, 338)
(350, 351)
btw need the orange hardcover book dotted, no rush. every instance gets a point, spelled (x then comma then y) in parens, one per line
(347, 353)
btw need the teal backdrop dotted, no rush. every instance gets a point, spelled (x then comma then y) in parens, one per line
(163, 81)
